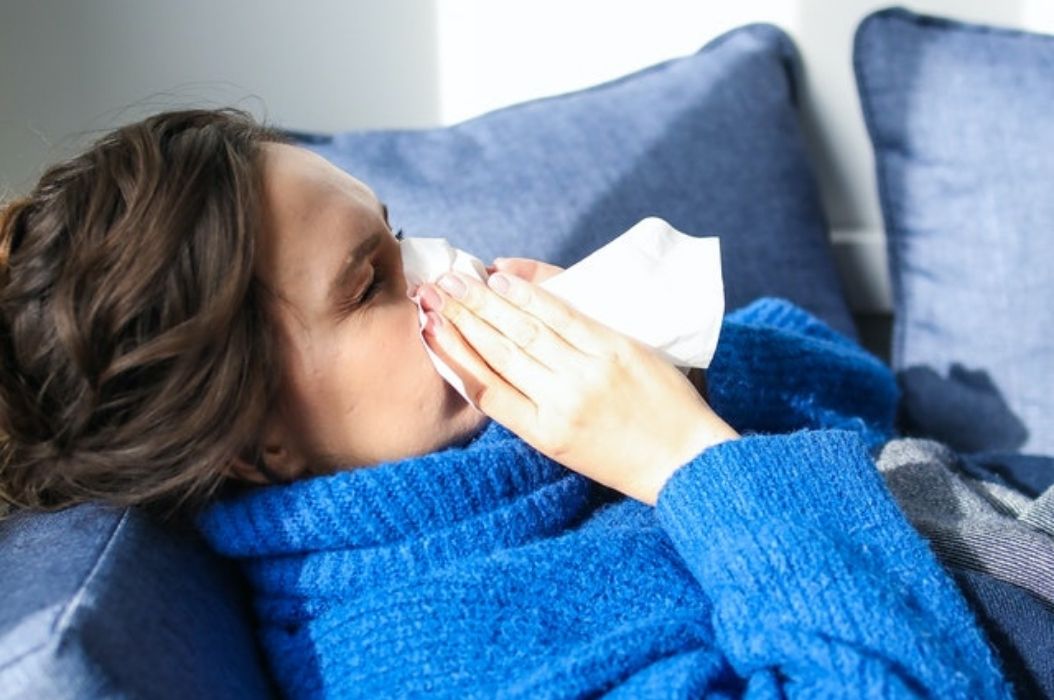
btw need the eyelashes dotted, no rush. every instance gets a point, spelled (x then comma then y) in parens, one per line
(375, 286)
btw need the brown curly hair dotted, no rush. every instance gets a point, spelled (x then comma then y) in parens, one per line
(135, 355)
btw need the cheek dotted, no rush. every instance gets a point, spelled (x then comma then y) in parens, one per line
(410, 349)
(371, 371)
(389, 356)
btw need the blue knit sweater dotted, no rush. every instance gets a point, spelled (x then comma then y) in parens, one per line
(775, 564)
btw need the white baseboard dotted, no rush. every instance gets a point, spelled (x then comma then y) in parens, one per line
(860, 256)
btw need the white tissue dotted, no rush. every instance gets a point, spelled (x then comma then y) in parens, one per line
(425, 260)
(652, 283)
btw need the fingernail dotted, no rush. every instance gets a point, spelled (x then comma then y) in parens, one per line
(429, 298)
(452, 285)
(498, 282)
(433, 322)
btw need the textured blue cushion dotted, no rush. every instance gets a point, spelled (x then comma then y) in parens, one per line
(711, 142)
(104, 603)
(961, 117)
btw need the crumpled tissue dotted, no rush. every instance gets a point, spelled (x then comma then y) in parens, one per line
(652, 283)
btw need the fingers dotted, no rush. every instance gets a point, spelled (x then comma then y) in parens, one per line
(519, 347)
(577, 329)
(484, 317)
(500, 353)
(488, 390)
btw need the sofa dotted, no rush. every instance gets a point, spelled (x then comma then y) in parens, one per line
(105, 602)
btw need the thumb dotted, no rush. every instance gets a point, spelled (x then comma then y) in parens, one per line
(534, 271)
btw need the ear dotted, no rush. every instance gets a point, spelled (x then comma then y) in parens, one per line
(280, 459)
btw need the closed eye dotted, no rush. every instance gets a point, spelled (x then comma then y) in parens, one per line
(354, 302)
(375, 286)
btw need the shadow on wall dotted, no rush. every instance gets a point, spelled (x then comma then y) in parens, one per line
(965, 410)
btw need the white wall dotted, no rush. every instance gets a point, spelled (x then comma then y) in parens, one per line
(69, 67)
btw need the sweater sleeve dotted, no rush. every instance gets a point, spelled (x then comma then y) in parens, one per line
(819, 585)
(777, 368)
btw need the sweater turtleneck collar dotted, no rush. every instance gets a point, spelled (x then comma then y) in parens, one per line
(388, 503)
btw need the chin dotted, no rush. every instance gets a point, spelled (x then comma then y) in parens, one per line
(470, 420)
(462, 420)
(474, 430)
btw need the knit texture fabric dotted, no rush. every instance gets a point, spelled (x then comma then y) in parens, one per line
(971, 524)
(773, 565)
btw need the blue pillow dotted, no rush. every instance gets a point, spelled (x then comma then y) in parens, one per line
(104, 602)
(961, 117)
(711, 142)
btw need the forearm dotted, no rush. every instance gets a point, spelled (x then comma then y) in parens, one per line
(816, 577)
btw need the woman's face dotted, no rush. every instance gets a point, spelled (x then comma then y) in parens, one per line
(358, 387)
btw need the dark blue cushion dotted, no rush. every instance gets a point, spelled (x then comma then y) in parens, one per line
(1019, 626)
(710, 142)
(961, 117)
(101, 602)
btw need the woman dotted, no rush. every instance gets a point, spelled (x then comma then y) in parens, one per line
(193, 309)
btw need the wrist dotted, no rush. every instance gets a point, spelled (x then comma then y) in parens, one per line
(707, 430)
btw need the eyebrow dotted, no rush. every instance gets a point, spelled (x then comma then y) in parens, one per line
(355, 258)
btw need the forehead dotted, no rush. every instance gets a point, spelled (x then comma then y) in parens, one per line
(313, 215)
(299, 184)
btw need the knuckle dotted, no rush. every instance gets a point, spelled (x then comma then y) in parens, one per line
(473, 296)
(558, 438)
(598, 376)
(618, 351)
(576, 406)
(484, 304)
(525, 334)
(560, 320)
(626, 353)
(623, 350)
(559, 423)
(623, 344)
(454, 311)
(573, 419)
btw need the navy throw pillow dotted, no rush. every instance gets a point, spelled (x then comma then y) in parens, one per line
(960, 118)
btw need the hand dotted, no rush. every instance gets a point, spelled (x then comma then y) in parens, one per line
(594, 400)
(537, 272)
